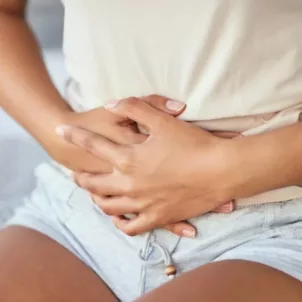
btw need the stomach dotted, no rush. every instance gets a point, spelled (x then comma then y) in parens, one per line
(212, 55)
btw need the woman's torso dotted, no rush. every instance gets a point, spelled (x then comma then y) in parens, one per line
(236, 63)
(224, 58)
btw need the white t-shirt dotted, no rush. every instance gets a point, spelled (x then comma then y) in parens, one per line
(237, 64)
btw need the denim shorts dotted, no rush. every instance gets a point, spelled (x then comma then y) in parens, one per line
(270, 234)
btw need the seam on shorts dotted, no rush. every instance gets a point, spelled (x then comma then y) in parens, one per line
(31, 221)
(244, 206)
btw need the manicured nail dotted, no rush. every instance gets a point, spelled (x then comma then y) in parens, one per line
(229, 207)
(111, 104)
(61, 130)
(175, 105)
(190, 233)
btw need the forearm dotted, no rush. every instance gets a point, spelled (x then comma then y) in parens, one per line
(26, 90)
(269, 161)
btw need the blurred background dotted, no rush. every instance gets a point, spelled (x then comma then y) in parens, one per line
(19, 153)
(46, 18)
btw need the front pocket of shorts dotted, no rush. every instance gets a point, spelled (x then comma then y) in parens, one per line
(287, 218)
(220, 232)
(293, 230)
(286, 213)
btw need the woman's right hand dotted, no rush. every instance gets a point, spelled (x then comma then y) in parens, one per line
(97, 121)
(105, 123)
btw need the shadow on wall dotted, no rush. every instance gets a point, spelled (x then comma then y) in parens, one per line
(17, 180)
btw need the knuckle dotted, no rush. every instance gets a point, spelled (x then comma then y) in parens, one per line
(156, 100)
(131, 101)
(69, 135)
(129, 187)
(107, 209)
(153, 98)
(88, 142)
(130, 105)
(126, 161)
(132, 137)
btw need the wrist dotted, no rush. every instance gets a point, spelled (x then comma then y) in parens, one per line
(213, 166)
(46, 134)
(257, 165)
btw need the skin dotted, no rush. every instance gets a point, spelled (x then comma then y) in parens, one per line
(230, 281)
(213, 169)
(23, 74)
(33, 267)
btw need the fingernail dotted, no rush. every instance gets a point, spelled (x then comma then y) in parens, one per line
(61, 130)
(111, 104)
(189, 233)
(174, 105)
(229, 207)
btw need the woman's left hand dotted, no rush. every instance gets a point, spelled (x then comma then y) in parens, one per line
(178, 173)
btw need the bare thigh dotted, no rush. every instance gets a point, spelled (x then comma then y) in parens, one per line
(230, 281)
(35, 268)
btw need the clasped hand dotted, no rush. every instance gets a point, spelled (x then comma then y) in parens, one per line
(177, 172)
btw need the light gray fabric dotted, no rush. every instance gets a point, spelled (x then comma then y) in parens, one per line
(270, 234)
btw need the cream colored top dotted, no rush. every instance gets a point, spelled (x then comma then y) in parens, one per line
(236, 63)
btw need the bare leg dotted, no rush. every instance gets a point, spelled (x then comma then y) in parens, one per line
(230, 281)
(34, 268)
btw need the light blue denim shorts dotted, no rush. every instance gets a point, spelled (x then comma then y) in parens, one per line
(270, 234)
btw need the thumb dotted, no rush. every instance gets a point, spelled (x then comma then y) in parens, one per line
(225, 208)
(171, 107)
(182, 229)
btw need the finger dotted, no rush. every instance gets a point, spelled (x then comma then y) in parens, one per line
(91, 142)
(113, 127)
(140, 112)
(182, 229)
(117, 206)
(164, 104)
(120, 222)
(131, 136)
(124, 225)
(136, 226)
(101, 184)
(228, 207)
(228, 135)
